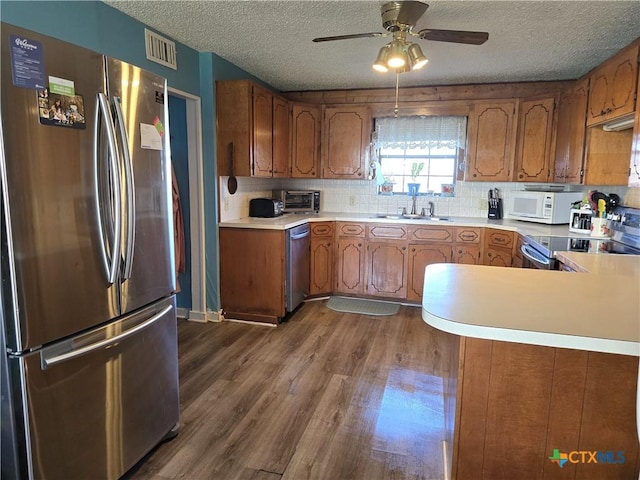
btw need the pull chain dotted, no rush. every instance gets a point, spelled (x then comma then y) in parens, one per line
(395, 109)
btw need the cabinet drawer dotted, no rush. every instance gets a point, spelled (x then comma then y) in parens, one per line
(346, 229)
(500, 239)
(468, 235)
(429, 233)
(322, 229)
(387, 231)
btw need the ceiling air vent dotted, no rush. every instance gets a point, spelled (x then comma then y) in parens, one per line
(160, 49)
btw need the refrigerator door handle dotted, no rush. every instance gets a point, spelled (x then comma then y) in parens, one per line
(130, 188)
(115, 211)
(49, 361)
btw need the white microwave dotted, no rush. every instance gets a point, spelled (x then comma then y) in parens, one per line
(542, 207)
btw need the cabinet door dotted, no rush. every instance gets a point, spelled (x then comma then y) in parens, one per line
(351, 262)
(498, 257)
(345, 141)
(570, 134)
(491, 141)
(634, 166)
(281, 137)
(535, 140)
(305, 152)
(387, 269)
(467, 254)
(262, 132)
(607, 157)
(613, 87)
(421, 255)
(234, 105)
(322, 260)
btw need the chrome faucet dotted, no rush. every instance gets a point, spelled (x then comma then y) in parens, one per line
(432, 209)
(413, 204)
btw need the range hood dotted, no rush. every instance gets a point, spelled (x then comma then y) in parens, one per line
(618, 124)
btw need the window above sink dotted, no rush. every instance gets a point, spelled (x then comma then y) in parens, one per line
(422, 150)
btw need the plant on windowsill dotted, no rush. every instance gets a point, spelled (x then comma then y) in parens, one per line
(416, 168)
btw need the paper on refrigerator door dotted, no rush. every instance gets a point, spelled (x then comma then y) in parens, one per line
(150, 138)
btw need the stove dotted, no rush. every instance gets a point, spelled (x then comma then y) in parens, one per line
(623, 222)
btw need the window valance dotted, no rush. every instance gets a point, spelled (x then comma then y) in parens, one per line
(420, 132)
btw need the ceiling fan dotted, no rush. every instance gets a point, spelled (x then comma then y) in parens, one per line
(398, 19)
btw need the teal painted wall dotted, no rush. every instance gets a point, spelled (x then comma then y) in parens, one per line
(101, 28)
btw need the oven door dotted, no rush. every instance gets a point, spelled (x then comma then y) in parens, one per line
(298, 201)
(534, 259)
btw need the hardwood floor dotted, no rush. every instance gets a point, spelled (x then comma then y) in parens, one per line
(325, 395)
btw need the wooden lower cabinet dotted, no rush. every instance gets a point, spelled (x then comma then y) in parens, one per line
(498, 257)
(518, 403)
(350, 266)
(387, 263)
(467, 254)
(498, 248)
(252, 274)
(323, 252)
(321, 268)
(421, 255)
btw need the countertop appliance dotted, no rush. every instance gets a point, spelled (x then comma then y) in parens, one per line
(542, 207)
(299, 201)
(265, 207)
(540, 251)
(89, 333)
(298, 255)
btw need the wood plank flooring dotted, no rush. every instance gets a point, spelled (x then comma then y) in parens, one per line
(325, 395)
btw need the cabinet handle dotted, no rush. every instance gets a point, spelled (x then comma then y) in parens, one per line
(475, 175)
(359, 244)
(460, 252)
(329, 244)
(489, 254)
(413, 249)
(404, 248)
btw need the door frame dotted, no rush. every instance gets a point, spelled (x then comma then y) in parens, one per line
(198, 310)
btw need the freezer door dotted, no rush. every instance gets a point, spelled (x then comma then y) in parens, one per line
(53, 270)
(138, 100)
(98, 403)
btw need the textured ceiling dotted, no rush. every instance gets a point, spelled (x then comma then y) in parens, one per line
(541, 40)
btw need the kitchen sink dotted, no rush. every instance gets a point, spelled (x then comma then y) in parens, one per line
(410, 217)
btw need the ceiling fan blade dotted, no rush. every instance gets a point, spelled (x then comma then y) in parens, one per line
(347, 37)
(454, 36)
(410, 12)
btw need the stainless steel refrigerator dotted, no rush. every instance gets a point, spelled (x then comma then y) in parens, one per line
(89, 364)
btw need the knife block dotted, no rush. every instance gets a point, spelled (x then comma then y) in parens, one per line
(495, 209)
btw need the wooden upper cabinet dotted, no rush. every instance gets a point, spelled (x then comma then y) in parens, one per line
(346, 133)
(535, 140)
(570, 134)
(256, 122)
(262, 132)
(305, 141)
(634, 166)
(492, 136)
(281, 137)
(613, 87)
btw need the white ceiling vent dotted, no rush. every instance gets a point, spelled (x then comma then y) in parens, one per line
(160, 49)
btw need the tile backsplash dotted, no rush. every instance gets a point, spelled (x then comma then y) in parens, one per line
(361, 196)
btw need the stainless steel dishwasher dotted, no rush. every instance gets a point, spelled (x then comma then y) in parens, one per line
(298, 258)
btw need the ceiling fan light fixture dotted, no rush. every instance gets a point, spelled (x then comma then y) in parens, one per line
(380, 65)
(397, 57)
(416, 57)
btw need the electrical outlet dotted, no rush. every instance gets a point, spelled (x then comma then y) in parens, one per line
(352, 200)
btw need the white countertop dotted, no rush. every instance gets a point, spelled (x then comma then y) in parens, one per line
(291, 220)
(586, 311)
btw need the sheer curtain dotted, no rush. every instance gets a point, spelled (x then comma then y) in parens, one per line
(420, 132)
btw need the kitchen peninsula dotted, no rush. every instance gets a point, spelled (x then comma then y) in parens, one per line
(531, 376)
